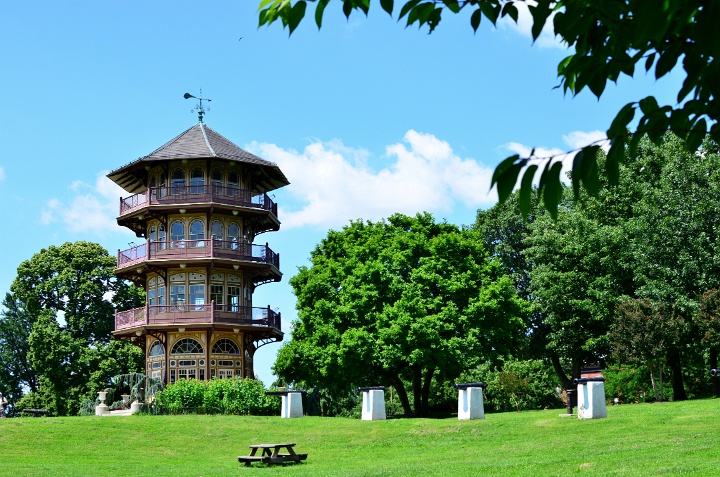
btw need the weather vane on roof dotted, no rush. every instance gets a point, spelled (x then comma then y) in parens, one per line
(198, 107)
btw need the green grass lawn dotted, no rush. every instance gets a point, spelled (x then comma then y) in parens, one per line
(643, 439)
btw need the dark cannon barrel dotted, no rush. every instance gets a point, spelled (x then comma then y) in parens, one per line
(468, 385)
(371, 388)
(599, 379)
(714, 372)
(285, 393)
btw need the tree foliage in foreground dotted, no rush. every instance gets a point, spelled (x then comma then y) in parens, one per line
(405, 300)
(607, 39)
(60, 315)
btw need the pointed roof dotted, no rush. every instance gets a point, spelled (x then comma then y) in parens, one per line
(198, 142)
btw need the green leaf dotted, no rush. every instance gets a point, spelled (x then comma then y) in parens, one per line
(319, 10)
(648, 105)
(621, 121)
(507, 181)
(297, 12)
(552, 192)
(612, 164)
(475, 20)
(667, 62)
(510, 10)
(347, 8)
(649, 61)
(491, 10)
(526, 189)
(388, 6)
(502, 167)
(407, 7)
(452, 5)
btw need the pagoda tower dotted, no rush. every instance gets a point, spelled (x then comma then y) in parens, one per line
(199, 202)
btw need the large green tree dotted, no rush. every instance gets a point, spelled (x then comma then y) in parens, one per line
(405, 300)
(16, 373)
(606, 40)
(66, 297)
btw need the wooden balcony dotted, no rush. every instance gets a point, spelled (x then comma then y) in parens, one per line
(160, 316)
(184, 250)
(197, 194)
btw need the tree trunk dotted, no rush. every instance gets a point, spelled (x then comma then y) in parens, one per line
(653, 372)
(564, 381)
(677, 377)
(417, 390)
(714, 365)
(425, 409)
(402, 395)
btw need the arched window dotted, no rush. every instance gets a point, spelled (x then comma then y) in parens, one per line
(216, 176)
(157, 349)
(177, 234)
(187, 346)
(197, 231)
(233, 235)
(233, 180)
(178, 182)
(162, 185)
(217, 233)
(225, 346)
(152, 234)
(197, 181)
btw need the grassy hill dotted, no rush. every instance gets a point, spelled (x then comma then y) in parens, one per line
(635, 440)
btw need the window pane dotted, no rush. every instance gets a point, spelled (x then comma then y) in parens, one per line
(197, 295)
(197, 231)
(178, 181)
(177, 295)
(216, 294)
(234, 298)
(197, 181)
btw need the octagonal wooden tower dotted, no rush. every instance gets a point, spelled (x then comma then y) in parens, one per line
(199, 201)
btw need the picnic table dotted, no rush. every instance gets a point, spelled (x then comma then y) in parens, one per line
(271, 454)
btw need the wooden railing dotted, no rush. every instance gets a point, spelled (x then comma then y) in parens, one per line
(206, 248)
(196, 314)
(188, 194)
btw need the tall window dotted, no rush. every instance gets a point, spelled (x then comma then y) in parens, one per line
(218, 232)
(177, 234)
(234, 298)
(233, 235)
(152, 292)
(197, 181)
(233, 181)
(157, 349)
(156, 292)
(197, 232)
(197, 291)
(177, 291)
(216, 176)
(162, 185)
(161, 291)
(161, 237)
(178, 182)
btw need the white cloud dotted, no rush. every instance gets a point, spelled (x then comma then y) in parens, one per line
(333, 184)
(2, 173)
(547, 38)
(91, 210)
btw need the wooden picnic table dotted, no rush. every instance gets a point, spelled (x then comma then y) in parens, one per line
(271, 454)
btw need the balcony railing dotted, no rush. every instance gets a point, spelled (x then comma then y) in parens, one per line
(196, 315)
(210, 248)
(188, 194)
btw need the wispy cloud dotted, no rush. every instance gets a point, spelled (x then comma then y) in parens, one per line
(2, 173)
(91, 210)
(331, 183)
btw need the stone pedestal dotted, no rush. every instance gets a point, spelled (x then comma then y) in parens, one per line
(470, 401)
(373, 405)
(102, 408)
(292, 405)
(135, 407)
(591, 398)
(291, 402)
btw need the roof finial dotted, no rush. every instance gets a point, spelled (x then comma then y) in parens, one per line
(198, 107)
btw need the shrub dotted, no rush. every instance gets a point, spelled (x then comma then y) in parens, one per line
(226, 396)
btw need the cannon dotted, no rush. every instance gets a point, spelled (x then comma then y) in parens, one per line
(714, 372)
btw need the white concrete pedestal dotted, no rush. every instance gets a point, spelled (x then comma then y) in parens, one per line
(291, 405)
(470, 404)
(373, 405)
(591, 398)
(102, 409)
(135, 407)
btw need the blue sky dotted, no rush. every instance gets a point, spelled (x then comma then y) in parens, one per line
(365, 117)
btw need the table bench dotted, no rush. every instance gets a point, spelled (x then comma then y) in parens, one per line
(36, 412)
(271, 454)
